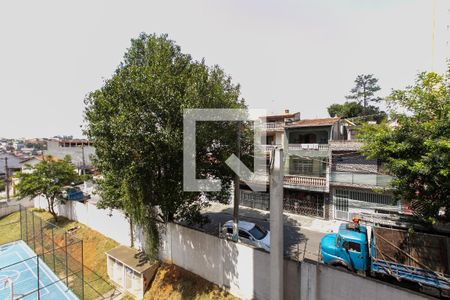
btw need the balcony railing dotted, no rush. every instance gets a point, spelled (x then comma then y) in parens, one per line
(338, 145)
(274, 125)
(269, 147)
(319, 147)
(361, 179)
(305, 180)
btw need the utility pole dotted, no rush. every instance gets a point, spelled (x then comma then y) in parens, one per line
(276, 225)
(6, 178)
(83, 172)
(236, 189)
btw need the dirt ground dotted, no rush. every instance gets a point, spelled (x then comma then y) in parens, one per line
(172, 282)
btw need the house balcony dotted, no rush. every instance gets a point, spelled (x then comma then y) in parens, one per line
(268, 148)
(274, 126)
(308, 183)
(300, 182)
(313, 147)
(360, 180)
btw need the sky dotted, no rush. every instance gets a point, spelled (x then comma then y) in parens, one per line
(301, 55)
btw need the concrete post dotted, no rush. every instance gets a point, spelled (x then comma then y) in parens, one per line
(276, 226)
(237, 195)
(7, 179)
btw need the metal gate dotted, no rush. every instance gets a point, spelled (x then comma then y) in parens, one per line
(340, 200)
(350, 203)
(303, 203)
(255, 200)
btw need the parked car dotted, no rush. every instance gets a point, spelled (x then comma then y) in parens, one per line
(249, 233)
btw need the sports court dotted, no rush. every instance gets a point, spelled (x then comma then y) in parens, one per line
(19, 263)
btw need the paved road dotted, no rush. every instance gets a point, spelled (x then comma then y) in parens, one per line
(298, 242)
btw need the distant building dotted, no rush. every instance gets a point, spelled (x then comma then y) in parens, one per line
(14, 164)
(80, 151)
(18, 145)
(325, 175)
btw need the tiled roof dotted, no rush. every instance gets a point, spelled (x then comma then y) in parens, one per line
(313, 122)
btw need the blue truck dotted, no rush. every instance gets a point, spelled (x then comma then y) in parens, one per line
(413, 258)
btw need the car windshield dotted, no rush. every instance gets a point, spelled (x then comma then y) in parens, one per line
(258, 233)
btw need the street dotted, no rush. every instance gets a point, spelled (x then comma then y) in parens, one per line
(299, 243)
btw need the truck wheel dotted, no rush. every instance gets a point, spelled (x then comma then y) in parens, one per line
(341, 267)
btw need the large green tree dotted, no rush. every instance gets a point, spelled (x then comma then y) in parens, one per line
(417, 149)
(361, 96)
(136, 122)
(352, 109)
(47, 178)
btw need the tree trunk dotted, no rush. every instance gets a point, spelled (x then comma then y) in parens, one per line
(51, 209)
(131, 233)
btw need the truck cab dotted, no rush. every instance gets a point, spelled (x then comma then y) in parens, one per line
(348, 248)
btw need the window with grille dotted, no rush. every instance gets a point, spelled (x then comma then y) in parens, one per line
(302, 166)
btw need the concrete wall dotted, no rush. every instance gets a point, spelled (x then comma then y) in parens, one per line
(322, 282)
(245, 271)
(241, 269)
(111, 223)
(6, 209)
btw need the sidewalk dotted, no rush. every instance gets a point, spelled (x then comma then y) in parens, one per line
(309, 223)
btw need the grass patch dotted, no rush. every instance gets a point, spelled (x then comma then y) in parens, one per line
(173, 282)
(95, 245)
(10, 228)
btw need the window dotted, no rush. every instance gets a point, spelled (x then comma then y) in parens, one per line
(338, 241)
(352, 246)
(258, 233)
(244, 234)
(302, 166)
(229, 230)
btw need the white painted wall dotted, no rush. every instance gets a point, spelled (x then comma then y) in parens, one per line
(322, 282)
(245, 271)
(111, 223)
(241, 269)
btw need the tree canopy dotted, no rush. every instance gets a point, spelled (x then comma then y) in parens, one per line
(47, 178)
(352, 109)
(136, 122)
(366, 85)
(416, 150)
(360, 107)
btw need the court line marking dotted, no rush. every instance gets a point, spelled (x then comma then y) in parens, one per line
(32, 278)
(53, 276)
(67, 293)
(34, 274)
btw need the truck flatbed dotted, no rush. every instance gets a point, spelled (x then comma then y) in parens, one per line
(418, 275)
